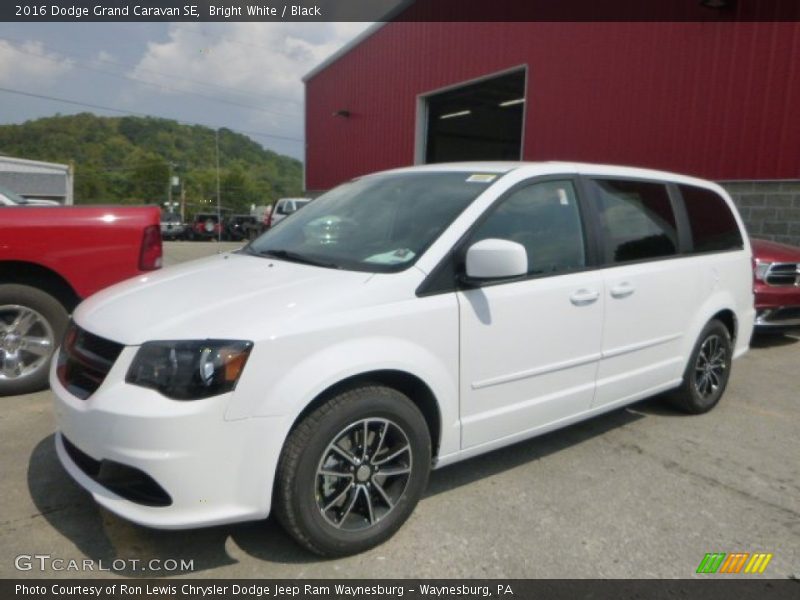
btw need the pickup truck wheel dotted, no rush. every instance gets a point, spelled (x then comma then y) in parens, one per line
(352, 471)
(708, 371)
(32, 323)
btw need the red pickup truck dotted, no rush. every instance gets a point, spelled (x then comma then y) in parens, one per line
(50, 259)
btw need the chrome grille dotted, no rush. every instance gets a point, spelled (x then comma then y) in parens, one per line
(783, 274)
(84, 361)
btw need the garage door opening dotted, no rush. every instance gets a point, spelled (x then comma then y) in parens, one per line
(479, 121)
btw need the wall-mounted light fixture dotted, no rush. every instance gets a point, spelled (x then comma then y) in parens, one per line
(718, 4)
(344, 113)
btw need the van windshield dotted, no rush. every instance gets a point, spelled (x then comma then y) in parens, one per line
(381, 223)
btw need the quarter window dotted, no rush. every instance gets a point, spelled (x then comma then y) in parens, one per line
(637, 220)
(711, 221)
(544, 218)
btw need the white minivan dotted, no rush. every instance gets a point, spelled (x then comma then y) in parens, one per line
(401, 322)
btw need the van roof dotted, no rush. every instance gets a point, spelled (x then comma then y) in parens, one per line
(555, 167)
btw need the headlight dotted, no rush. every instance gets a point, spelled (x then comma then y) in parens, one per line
(189, 370)
(761, 269)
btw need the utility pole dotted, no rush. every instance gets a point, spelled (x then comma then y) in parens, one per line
(219, 210)
(69, 197)
(183, 202)
(169, 187)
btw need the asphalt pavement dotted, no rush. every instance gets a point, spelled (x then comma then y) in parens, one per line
(641, 492)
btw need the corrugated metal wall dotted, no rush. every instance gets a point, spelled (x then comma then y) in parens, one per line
(716, 99)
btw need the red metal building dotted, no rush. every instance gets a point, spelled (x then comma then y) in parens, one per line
(717, 97)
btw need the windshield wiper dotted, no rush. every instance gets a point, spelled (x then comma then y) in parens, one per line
(297, 257)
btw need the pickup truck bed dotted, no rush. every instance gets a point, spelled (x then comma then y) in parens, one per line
(50, 259)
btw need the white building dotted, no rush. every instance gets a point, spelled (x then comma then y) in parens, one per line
(37, 179)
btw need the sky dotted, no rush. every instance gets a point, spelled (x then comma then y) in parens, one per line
(243, 76)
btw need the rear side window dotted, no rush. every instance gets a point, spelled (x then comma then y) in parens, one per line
(711, 221)
(637, 220)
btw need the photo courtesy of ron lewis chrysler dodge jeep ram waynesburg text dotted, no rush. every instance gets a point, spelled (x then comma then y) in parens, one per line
(402, 321)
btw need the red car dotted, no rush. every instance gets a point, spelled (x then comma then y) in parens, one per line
(50, 259)
(777, 286)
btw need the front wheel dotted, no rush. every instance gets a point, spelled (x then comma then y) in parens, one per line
(708, 371)
(31, 325)
(352, 471)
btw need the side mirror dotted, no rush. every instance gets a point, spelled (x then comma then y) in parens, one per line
(496, 259)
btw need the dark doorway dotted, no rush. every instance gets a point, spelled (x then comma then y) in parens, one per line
(479, 121)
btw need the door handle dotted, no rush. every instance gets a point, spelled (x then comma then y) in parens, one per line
(623, 290)
(583, 297)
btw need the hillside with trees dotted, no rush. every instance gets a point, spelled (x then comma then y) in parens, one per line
(128, 160)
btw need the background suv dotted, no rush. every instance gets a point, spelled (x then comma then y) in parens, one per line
(172, 228)
(777, 286)
(205, 226)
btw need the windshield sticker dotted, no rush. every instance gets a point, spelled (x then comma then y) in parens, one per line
(481, 178)
(562, 196)
(395, 257)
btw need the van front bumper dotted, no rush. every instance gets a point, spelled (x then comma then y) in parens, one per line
(164, 463)
(777, 307)
(778, 318)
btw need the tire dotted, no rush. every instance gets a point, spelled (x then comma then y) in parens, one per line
(362, 505)
(32, 323)
(708, 371)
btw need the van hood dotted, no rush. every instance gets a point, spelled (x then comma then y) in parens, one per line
(774, 252)
(228, 296)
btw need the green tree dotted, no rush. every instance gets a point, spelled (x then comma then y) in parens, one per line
(149, 178)
(126, 159)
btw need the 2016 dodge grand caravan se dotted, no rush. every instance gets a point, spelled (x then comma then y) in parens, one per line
(401, 322)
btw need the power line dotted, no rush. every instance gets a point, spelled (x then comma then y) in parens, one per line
(159, 73)
(207, 35)
(100, 168)
(156, 85)
(140, 114)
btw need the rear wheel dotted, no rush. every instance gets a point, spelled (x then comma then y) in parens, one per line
(31, 325)
(708, 371)
(352, 471)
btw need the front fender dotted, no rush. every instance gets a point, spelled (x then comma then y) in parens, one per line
(289, 394)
